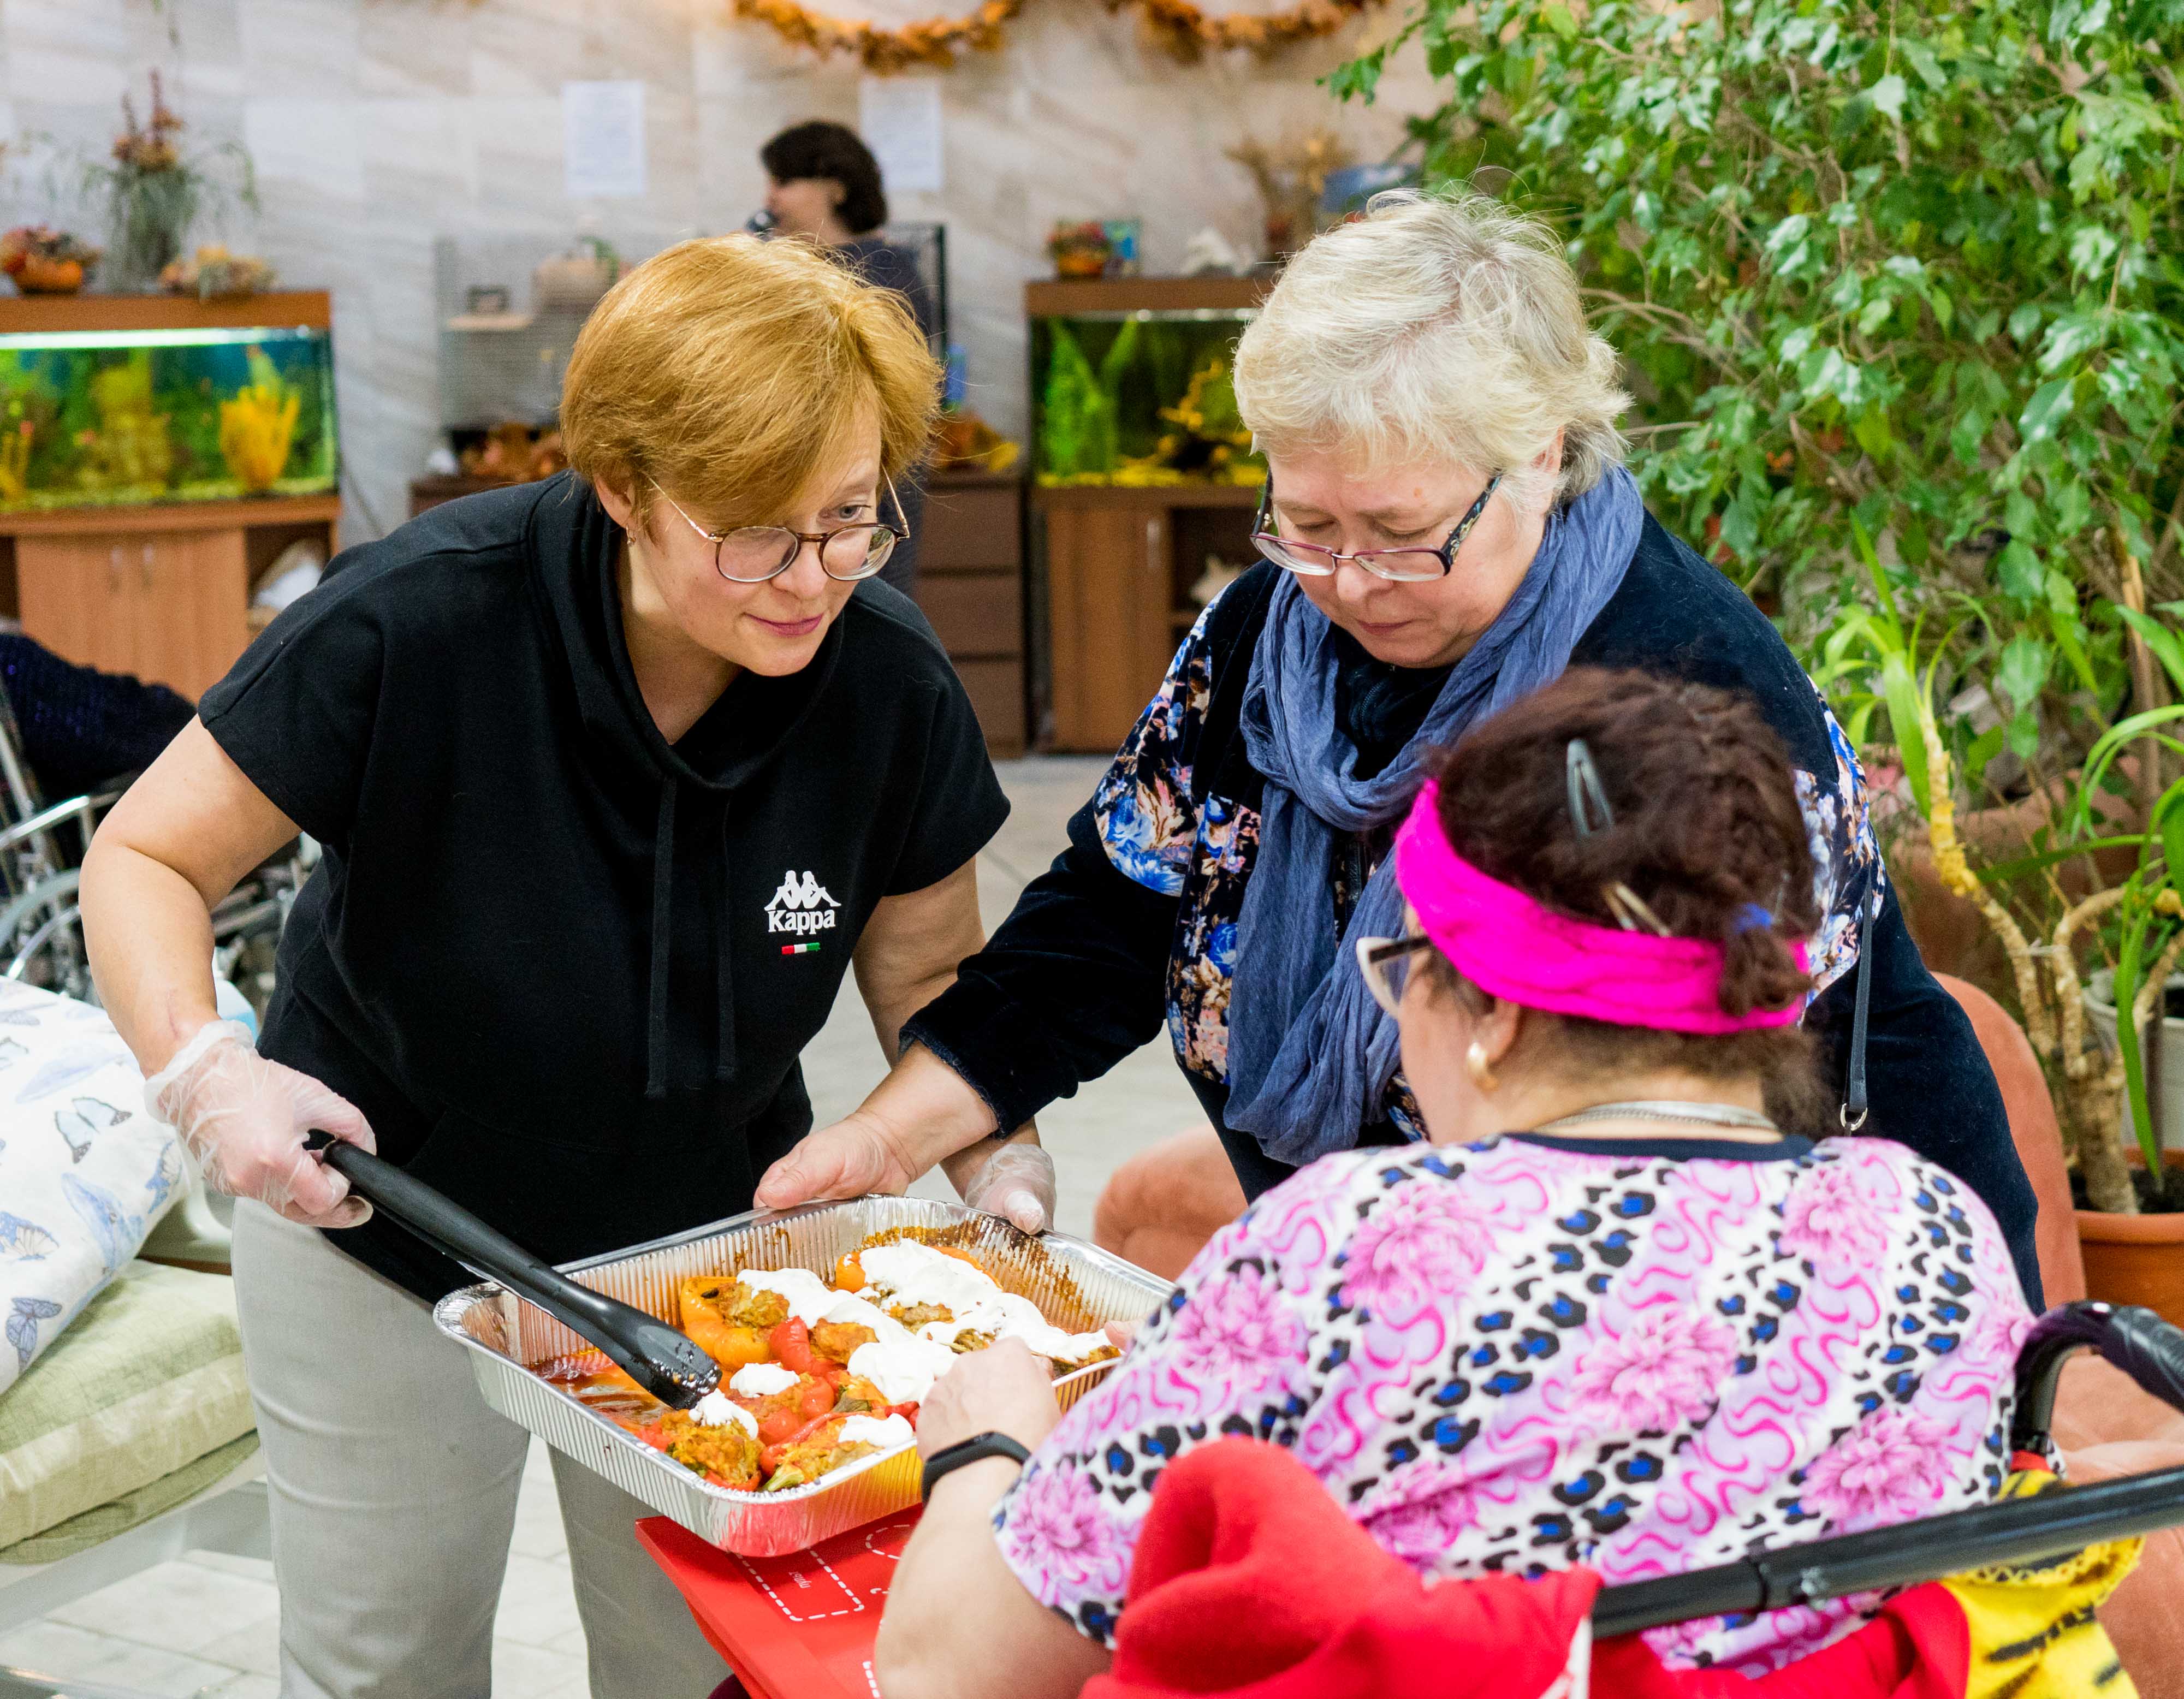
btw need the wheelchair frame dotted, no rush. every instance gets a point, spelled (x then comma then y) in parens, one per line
(42, 938)
(2016, 1531)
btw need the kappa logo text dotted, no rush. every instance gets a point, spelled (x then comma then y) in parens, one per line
(801, 905)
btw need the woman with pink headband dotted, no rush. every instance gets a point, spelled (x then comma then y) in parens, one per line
(1611, 1312)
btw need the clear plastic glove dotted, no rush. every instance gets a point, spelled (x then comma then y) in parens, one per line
(244, 1118)
(1016, 1184)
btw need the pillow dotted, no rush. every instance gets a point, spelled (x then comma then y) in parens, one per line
(84, 1171)
(147, 1385)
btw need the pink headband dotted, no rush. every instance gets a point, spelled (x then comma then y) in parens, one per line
(1512, 948)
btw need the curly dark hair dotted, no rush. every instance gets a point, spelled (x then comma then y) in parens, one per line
(1707, 827)
(821, 149)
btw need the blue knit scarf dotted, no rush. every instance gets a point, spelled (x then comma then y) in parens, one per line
(1310, 1052)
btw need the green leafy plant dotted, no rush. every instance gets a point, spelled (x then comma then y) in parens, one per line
(1918, 266)
(1918, 263)
(1899, 286)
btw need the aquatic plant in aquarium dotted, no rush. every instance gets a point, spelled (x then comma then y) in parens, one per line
(1141, 398)
(92, 418)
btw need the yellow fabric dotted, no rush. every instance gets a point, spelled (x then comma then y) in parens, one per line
(2033, 1631)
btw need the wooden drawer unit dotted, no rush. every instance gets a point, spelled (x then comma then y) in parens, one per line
(970, 585)
(995, 689)
(976, 613)
(971, 523)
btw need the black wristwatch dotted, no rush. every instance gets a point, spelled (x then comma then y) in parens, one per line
(970, 1451)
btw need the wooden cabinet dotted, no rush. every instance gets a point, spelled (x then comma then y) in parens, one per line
(164, 605)
(970, 585)
(1118, 566)
(160, 593)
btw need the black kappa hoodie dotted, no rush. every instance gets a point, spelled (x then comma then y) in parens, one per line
(564, 968)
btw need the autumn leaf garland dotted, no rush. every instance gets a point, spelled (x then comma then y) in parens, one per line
(1179, 27)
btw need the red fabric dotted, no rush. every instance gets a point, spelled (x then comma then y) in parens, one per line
(1250, 1583)
(1918, 1648)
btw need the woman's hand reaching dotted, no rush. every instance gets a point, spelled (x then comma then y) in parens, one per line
(860, 1154)
(1002, 1389)
(921, 1115)
(244, 1118)
(857, 1154)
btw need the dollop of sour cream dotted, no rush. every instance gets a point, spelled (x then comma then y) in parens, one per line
(808, 1297)
(908, 1273)
(761, 1380)
(716, 1410)
(903, 1365)
(886, 1432)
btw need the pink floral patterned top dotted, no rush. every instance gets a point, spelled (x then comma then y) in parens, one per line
(1517, 1356)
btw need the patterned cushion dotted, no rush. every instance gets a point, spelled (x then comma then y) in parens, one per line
(83, 1172)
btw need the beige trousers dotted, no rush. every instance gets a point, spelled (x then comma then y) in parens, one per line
(393, 1492)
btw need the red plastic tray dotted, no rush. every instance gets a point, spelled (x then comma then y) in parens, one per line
(799, 1627)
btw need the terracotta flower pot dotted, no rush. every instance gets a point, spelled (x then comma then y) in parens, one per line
(2136, 1259)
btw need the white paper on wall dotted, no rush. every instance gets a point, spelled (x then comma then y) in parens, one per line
(603, 139)
(900, 119)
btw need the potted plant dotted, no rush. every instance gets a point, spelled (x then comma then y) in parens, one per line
(46, 261)
(2131, 1226)
(1894, 288)
(1079, 250)
(154, 191)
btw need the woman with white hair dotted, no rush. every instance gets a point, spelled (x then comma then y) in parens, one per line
(1447, 526)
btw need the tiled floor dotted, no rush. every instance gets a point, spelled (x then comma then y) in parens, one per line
(207, 1626)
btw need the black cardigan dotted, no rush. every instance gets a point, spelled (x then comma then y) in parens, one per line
(1075, 979)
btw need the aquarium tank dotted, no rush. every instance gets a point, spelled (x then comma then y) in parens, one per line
(106, 418)
(1140, 397)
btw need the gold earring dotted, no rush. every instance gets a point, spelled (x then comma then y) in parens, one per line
(1482, 1074)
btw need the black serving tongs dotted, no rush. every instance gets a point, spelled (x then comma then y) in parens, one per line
(663, 1361)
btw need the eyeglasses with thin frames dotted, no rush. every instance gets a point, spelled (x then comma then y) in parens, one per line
(1403, 565)
(749, 548)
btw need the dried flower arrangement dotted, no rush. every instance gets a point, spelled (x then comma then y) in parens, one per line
(154, 191)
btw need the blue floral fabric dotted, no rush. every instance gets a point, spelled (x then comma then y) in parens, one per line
(1202, 855)
(83, 1172)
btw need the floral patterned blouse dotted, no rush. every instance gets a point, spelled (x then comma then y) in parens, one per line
(1201, 853)
(1644, 1355)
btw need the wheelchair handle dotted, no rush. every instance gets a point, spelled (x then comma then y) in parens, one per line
(663, 1361)
(2023, 1530)
(2134, 1338)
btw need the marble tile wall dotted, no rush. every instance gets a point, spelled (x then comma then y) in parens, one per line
(377, 126)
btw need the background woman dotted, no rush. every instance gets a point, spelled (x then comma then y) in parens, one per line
(1447, 526)
(1610, 1314)
(560, 744)
(822, 184)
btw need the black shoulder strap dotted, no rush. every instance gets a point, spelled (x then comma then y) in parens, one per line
(1854, 1108)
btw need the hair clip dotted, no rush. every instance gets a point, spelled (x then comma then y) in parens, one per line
(1631, 911)
(1586, 794)
(1752, 918)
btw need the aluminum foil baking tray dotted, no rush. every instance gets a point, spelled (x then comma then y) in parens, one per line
(1077, 1286)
